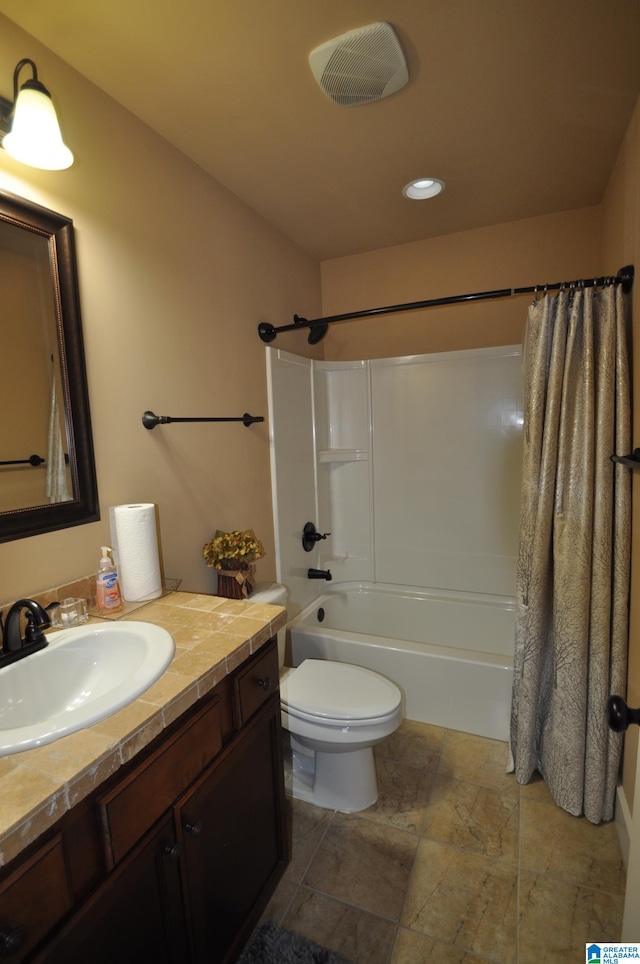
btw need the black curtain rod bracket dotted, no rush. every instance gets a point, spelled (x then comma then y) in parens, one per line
(149, 420)
(631, 461)
(319, 326)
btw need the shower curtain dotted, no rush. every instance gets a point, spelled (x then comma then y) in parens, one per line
(573, 564)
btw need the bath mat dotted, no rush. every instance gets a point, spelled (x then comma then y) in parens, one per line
(270, 944)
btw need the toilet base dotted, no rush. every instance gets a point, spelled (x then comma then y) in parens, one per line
(336, 781)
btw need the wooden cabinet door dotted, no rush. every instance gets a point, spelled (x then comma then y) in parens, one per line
(235, 844)
(135, 916)
(33, 899)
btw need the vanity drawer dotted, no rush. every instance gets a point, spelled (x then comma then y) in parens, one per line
(135, 803)
(255, 683)
(32, 900)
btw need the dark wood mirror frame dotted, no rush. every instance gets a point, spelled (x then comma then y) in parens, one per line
(20, 523)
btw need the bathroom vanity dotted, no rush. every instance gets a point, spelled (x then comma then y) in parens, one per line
(174, 855)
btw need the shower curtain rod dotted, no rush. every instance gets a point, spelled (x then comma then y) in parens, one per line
(319, 326)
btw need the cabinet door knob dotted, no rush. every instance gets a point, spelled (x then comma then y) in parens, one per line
(265, 683)
(193, 828)
(172, 853)
(11, 940)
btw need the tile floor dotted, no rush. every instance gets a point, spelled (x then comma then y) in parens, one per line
(454, 863)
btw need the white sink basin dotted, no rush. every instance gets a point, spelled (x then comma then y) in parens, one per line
(85, 674)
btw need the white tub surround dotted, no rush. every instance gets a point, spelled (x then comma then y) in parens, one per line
(412, 464)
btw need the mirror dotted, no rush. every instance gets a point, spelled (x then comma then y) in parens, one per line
(47, 469)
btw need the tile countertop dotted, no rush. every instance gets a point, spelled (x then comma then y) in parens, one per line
(213, 636)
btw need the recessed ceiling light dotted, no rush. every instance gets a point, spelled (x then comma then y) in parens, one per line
(423, 187)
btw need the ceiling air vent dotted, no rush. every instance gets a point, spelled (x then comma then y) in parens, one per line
(360, 66)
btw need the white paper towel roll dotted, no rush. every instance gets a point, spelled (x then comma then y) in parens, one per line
(135, 544)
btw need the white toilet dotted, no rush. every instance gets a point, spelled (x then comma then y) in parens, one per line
(334, 713)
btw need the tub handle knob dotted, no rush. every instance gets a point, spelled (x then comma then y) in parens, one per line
(310, 536)
(619, 715)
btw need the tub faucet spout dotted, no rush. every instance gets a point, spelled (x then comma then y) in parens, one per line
(319, 574)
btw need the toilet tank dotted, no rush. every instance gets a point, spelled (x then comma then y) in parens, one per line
(275, 594)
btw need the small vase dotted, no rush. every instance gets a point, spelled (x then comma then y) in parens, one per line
(235, 583)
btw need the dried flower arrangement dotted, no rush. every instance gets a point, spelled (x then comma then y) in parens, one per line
(233, 554)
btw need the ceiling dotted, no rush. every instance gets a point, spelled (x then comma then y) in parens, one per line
(520, 107)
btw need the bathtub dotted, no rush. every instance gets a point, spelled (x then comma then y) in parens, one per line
(450, 654)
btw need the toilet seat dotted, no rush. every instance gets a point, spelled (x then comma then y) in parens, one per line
(338, 694)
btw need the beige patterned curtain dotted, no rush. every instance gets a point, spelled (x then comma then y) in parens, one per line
(573, 566)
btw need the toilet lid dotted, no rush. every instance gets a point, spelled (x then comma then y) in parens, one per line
(329, 690)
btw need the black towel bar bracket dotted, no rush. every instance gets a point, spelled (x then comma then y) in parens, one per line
(32, 460)
(619, 715)
(149, 420)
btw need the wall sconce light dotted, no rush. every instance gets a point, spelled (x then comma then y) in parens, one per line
(32, 135)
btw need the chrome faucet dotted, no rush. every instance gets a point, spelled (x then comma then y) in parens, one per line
(14, 646)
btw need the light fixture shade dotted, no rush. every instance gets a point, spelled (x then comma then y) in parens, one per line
(35, 137)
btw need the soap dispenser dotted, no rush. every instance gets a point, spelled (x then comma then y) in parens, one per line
(108, 595)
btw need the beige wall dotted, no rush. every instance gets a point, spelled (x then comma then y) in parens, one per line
(621, 245)
(175, 274)
(553, 248)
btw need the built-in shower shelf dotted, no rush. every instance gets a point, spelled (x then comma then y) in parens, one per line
(343, 455)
